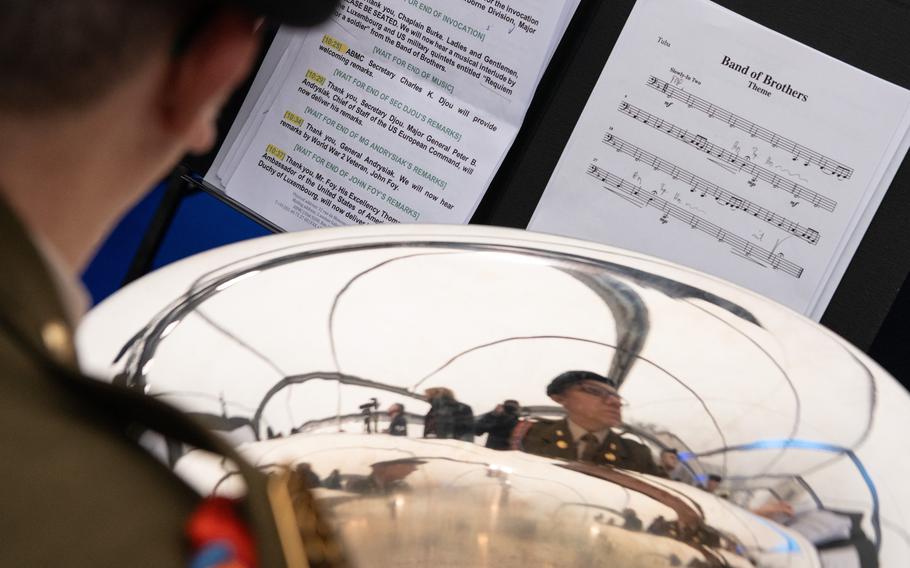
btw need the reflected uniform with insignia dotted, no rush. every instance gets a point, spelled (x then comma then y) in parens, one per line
(553, 439)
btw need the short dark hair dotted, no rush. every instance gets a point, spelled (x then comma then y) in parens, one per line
(673, 451)
(715, 477)
(62, 54)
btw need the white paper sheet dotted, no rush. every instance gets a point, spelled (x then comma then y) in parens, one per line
(717, 143)
(263, 91)
(393, 111)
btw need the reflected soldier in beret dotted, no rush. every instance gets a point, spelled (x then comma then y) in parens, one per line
(594, 408)
(713, 483)
(673, 468)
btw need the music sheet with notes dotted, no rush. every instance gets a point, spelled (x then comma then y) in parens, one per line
(719, 144)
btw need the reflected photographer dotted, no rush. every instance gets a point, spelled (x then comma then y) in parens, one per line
(498, 424)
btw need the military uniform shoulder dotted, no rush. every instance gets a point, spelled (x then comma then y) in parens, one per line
(528, 429)
(540, 424)
(636, 455)
(627, 438)
(547, 430)
(542, 421)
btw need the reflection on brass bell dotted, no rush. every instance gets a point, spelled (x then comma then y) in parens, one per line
(439, 501)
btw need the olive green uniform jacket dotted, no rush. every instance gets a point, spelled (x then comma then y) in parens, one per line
(554, 440)
(75, 488)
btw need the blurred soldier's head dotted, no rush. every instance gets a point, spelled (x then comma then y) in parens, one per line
(396, 409)
(591, 400)
(100, 98)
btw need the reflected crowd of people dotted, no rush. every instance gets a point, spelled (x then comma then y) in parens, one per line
(591, 431)
(586, 428)
(587, 431)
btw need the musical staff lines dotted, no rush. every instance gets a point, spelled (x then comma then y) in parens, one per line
(740, 163)
(799, 152)
(738, 244)
(705, 187)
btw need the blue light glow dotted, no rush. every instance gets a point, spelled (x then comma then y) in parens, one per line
(788, 546)
(825, 447)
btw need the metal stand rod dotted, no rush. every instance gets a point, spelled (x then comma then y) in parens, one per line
(177, 189)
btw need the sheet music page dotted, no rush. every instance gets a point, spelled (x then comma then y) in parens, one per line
(392, 111)
(722, 145)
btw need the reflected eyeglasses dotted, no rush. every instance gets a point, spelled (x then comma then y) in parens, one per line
(601, 393)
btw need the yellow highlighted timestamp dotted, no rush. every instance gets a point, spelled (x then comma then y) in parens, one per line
(293, 118)
(335, 44)
(275, 151)
(315, 77)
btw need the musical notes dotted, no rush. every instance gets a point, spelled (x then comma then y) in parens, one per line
(757, 172)
(800, 153)
(703, 187)
(737, 244)
(792, 154)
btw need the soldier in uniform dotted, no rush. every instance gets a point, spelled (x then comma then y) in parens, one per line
(99, 99)
(713, 483)
(673, 468)
(594, 409)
